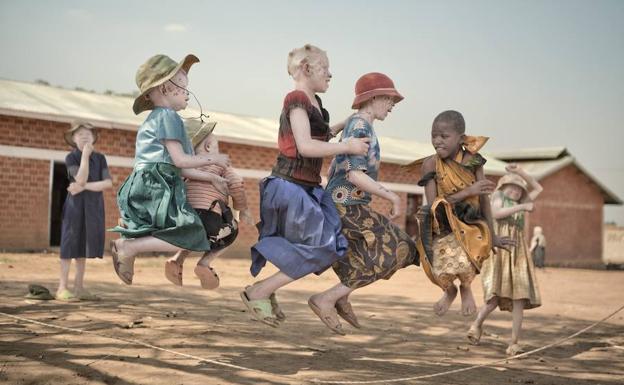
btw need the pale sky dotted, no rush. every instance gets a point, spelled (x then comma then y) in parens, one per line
(527, 73)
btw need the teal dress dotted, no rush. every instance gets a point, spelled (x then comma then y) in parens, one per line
(152, 200)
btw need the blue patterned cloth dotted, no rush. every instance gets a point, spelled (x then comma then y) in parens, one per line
(300, 230)
(342, 191)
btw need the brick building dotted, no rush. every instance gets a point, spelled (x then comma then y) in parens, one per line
(33, 118)
(570, 209)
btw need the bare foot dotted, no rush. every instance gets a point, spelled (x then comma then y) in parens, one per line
(469, 307)
(442, 306)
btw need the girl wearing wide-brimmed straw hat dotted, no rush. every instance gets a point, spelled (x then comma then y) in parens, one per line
(377, 247)
(82, 233)
(299, 226)
(152, 201)
(508, 278)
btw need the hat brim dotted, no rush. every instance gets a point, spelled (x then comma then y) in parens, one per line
(142, 103)
(69, 134)
(366, 96)
(206, 129)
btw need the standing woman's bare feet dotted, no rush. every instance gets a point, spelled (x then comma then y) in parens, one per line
(469, 307)
(442, 306)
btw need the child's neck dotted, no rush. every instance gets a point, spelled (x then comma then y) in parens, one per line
(302, 85)
(453, 154)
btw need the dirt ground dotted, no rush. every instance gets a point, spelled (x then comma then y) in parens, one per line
(401, 337)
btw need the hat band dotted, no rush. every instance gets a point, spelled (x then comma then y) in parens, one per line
(375, 90)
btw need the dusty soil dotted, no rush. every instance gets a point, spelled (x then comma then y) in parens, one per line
(401, 335)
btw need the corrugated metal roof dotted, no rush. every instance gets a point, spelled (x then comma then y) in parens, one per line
(110, 111)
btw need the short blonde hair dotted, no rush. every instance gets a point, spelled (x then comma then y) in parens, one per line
(308, 54)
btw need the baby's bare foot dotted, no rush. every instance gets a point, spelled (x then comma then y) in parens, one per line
(469, 307)
(442, 306)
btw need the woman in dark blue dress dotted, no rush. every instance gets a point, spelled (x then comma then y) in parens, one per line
(82, 234)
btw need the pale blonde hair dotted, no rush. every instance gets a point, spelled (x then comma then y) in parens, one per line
(308, 54)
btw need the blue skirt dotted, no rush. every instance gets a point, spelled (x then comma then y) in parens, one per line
(300, 230)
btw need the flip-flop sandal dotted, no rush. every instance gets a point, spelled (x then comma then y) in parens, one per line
(474, 335)
(173, 272)
(125, 274)
(277, 310)
(66, 296)
(207, 277)
(88, 296)
(514, 350)
(260, 309)
(330, 320)
(39, 292)
(347, 314)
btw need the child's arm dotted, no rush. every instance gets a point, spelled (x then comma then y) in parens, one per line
(338, 127)
(431, 188)
(82, 175)
(312, 148)
(236, 186)
(218, 182)
(183, 160)
(99, 185)
(366, 183)
(533, 244)
(486, 210)
(498, 211)
(534, 187)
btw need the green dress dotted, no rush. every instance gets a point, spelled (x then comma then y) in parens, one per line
(152, 200)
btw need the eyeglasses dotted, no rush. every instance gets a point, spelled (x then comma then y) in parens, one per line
(201, 111)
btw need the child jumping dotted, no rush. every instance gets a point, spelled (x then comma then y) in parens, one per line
(377, 247)
(508, 278)
(210, 201)
(456, 225)
(152, 201)
(299, 226)
(82, 234)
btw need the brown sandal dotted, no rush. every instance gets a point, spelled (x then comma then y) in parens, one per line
(173, 272)
(124, 271)
(330, 319)
(207, 277)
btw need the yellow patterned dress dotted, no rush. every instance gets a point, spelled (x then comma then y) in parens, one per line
(455, 239)
(511, 275)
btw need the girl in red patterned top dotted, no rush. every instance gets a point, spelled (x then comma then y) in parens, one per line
(299, 226)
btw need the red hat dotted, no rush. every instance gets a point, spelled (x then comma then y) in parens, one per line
(374, 84)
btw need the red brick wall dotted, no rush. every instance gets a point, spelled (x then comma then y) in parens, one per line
(570, 212)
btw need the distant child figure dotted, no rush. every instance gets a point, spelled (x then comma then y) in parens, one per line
(152, 201)
(82, 234)
(456, 225)
(508, 277)
(210, 200)
(299, 226)
(538, 247)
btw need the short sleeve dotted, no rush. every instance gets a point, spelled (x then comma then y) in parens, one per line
(171, 127)
(72, 163)
(358, 128)
(296, 99)
(104, 165)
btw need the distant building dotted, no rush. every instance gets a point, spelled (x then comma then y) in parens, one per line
(570, 210)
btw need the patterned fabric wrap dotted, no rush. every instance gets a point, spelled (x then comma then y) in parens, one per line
(511, 275)
(451, 262)
(343, 191)
(290, 164)
(377, 247)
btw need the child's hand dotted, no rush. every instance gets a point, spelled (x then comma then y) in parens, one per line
(87, 149)
(357, 146)
(504, 243)
(482, 187)
(246, 217)
(220, 184)
(528, 206)
(75, 188)
(395, 211)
